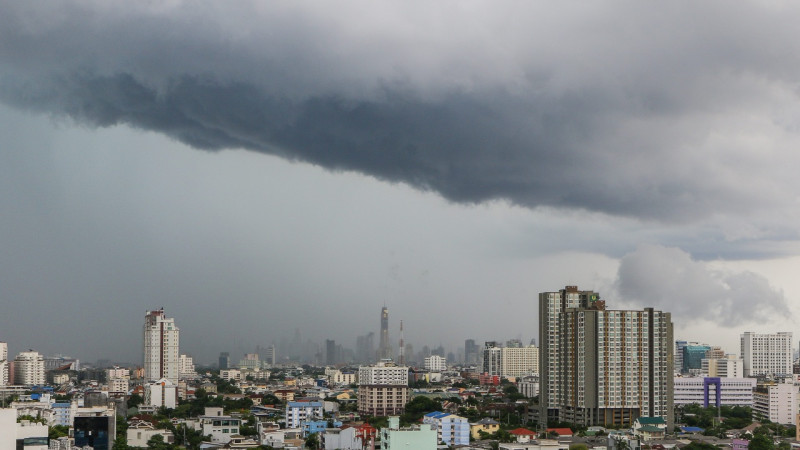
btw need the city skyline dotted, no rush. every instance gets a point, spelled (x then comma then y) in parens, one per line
(280, 166)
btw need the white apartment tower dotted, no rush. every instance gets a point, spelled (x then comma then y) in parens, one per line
(766, 354)
(29, 369)
(603, 367)
(3, 364)
(161, 342)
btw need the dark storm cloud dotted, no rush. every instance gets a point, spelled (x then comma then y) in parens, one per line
(669, 279)
(613, 108)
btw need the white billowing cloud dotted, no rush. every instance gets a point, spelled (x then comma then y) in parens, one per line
(669, 279)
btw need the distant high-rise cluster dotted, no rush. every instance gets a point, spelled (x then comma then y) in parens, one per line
(603, 367)
(161, 347)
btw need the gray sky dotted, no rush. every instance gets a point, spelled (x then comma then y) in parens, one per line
(265, 166)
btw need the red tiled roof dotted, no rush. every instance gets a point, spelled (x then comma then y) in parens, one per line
(522, 432)
(560, 431)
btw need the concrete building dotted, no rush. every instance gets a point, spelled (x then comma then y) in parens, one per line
(186, 368)
(349, 438)
(435, 363)
(777, 402)
(337, 377)
(766, 354)
(382, 389)
(22, 435)
(450, 428)
(95, 427)
(471, 352)
(419, 437)
(692, 358)
(603, 367)
(299, 412)
(161, 347)
(714, 391)
(727, 366)
(29, 369)
(219, 426)
(519, 361)
(492, 355)
(528, 386)
(118, 380)
(3, 364)
(161, 393)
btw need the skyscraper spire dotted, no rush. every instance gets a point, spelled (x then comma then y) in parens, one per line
(385, 349)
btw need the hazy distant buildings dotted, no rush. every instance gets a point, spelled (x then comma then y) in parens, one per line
(603, 367)
(224, 360)
(29, 369)
(365, 348)
(330, 352)
(766, 354)
(385, 349)
(161, 343)
(471, 352)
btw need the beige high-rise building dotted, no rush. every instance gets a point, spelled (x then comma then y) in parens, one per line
(382, 389)
(29, 369)
(603, 367)
(161, 347)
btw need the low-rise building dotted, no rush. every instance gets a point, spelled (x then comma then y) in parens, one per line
(421, 437)
(299, 412)
(450, 428)
(218, 425)
(485, 425)
(714, 391)
(777, 402)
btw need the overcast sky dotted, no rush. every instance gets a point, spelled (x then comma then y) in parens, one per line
(263, 166)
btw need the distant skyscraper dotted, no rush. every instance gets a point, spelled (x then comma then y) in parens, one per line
(161, 342)
(330, 352)
(470, 352)
(224, 360)
(603, 367)
(385, 349)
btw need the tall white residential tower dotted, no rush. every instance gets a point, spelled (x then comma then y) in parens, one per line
(161, 342)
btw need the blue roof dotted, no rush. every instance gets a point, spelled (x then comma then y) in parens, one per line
(61, 405)
(691, 429)
(437, 414)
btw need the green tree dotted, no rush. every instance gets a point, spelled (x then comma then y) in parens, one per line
(698, 445)
(312, 441)
(578, 447)
(57, 431)
(761, 441)
(135, 400)
(157, 443)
